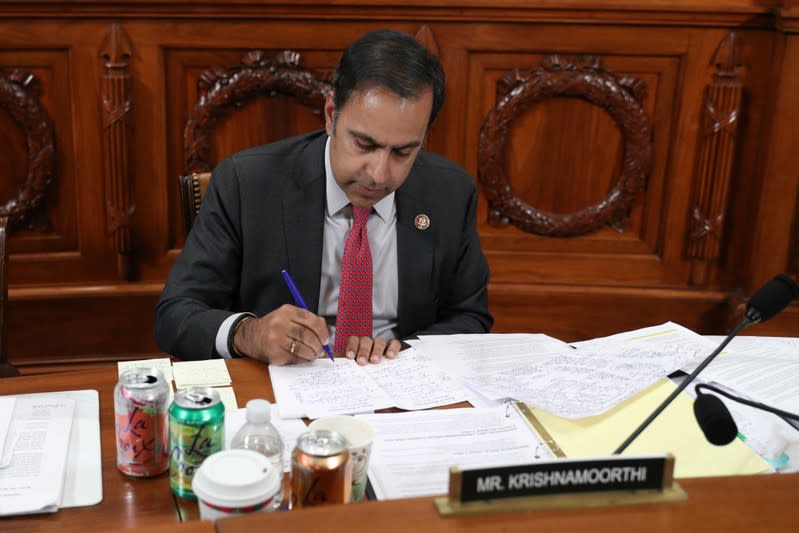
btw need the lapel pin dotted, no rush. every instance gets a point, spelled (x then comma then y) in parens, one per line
(422, 222)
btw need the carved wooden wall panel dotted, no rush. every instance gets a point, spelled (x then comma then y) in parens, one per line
(38, 180)
(561, 78)
(565, 155)
(223, 128)
(562, 154)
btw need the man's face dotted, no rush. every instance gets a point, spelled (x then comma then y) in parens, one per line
(374, 143)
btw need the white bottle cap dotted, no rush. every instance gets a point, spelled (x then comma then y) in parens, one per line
(259, 411)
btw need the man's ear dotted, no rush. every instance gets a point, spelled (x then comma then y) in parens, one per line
(330, 110)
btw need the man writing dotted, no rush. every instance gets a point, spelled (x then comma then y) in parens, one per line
(379, 235)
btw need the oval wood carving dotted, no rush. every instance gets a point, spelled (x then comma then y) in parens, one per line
(19, 96)
(224, 89)
(620, 96)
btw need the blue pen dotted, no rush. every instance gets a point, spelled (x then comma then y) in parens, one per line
(295, 292)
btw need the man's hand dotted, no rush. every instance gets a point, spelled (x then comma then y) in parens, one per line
(366, 349)
(286, 335)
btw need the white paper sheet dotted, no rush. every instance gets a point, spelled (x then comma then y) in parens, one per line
(763, 368)
(83, 483)
(34, 479)
(228, 397)
(208, 373)
(412, 452)
(7, 439)
(468, 355)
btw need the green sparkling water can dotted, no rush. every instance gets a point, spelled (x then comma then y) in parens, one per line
(196, 430)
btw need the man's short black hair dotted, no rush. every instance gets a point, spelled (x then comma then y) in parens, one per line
(390, 59)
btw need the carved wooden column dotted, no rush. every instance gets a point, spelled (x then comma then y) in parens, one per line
(716, 157)
(116, 52)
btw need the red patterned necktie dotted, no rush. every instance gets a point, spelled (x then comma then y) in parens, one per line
(354, 314)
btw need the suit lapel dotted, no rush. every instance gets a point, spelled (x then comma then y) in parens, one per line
(303, 221)
(415, 251)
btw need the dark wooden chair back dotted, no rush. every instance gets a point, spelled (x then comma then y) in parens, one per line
(192, 191)
(6, 368)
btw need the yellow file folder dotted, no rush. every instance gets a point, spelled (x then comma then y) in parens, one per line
(675, 431)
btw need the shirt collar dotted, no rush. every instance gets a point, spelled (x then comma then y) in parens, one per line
(337, 198)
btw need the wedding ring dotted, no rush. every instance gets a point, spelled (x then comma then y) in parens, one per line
(293, 345)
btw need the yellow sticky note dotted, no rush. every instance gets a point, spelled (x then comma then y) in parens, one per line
(675, 431)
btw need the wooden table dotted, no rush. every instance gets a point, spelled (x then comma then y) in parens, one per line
(714, 504)
(127, 502)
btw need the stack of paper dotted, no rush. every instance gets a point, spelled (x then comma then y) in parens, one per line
(568, 382)
(412, 452)
(35, 453)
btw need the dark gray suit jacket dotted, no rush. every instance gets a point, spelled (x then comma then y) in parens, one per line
(264, 211)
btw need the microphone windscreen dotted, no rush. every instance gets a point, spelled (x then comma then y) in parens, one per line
(715, 419)
(773, 297)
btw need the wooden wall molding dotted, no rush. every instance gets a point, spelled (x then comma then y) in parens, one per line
(704, 13)
(717, 149)
(19, 97)
(221, 90)
(116, 51)
(558, 76)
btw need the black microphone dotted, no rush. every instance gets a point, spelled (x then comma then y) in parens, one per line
(769, 300)
(715, 420)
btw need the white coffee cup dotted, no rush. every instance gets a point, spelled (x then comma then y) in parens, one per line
(359, 435)
(233, 482)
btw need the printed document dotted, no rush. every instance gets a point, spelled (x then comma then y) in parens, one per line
(33, 480)
(412, 452)
(324, 387)
(763, 368)
(475, 355)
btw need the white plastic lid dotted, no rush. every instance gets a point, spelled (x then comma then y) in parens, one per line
(236, 478)
(259, 411)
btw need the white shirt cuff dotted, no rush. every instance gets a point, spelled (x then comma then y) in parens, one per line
(222, 335)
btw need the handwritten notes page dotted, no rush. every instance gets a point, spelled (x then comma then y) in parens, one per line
(414, 382)
(413, 451)
(33, 480)
(572, 383)
(323, 387)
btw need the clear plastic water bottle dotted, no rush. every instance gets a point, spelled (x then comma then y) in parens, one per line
(260, 435)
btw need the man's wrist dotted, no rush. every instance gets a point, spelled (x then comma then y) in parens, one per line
(234, 329)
